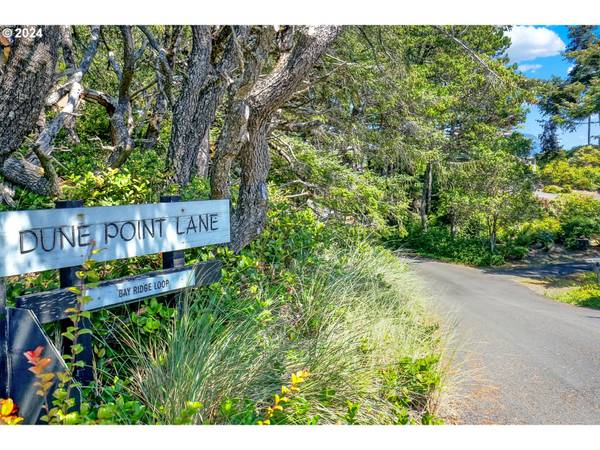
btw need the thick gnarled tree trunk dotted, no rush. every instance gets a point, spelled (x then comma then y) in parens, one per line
(190, 123)
(300, 48)
(27, 80)
(212, 64)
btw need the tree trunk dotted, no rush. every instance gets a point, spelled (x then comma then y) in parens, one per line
(203, 157)
(165, 62)
(589, 134)
(250, 214)
(154, 124)
(26, 82)
(75, 93)
(493, 231)
(423, 210)
(426, 195)
(234, 133)
(429, 185)
(121, 121)
(189, 122)
(195, 110)
(267, 95)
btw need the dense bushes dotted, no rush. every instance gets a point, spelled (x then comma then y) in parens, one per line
(579, 216)
(438, 242)
(311, 296)
(579, 169)
(304, 297)
(564, 221)
(543, 231)
(578, 228)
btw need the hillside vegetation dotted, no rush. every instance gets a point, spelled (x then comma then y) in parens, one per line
(337, 146)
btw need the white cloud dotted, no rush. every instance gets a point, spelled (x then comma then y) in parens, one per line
(571, 67)
(528, 42)
(529, 67)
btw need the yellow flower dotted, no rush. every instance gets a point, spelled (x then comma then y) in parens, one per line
(8, 412)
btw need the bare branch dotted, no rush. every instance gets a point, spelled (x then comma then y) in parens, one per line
(49, 133)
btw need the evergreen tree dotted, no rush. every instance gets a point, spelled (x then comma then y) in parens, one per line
(584, 51)
(549, 143)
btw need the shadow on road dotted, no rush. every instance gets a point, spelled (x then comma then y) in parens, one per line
(540, 271)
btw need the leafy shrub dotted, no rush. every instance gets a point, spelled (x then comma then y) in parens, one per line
(543, 231)
(293, 301)
(570, 206)
(438, 242)
(580, 171)
(579, 227)
(512, 251)
(108, 187)
(578, 216)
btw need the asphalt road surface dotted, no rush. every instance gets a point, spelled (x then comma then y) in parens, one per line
(519, 357)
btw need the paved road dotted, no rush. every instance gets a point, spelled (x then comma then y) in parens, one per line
(523, 358)
(550, 270)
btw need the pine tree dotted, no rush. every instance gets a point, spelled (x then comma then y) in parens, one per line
(583, 52)
(549, 143)
(580, 37)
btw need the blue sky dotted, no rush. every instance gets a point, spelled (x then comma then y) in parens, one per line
(537, 49)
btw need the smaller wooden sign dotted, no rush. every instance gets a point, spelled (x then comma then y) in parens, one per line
(51, 305)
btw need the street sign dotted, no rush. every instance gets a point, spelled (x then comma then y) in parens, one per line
(31, 241)
(50, 306)
(63, 238)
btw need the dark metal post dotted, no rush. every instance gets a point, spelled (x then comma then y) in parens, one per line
(69, 278)
(175, 258)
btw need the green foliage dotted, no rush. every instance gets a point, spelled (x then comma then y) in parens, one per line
(579, 216)
(438, 242)
(588, 296)
(554, 189)
(571, 206)
(581, 170)
(151, 316)
(409, 385)
(108, 187)
(291, 301)
(543, 231)
(339, 192)
(585, 292)
(579, 227)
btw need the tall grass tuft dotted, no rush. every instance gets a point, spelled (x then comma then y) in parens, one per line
(356, 322)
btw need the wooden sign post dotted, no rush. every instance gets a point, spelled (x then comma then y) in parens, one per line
(36, 240)
(172, 259)
(68, 278)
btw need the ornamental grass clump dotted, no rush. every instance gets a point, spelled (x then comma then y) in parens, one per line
(356, 322)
